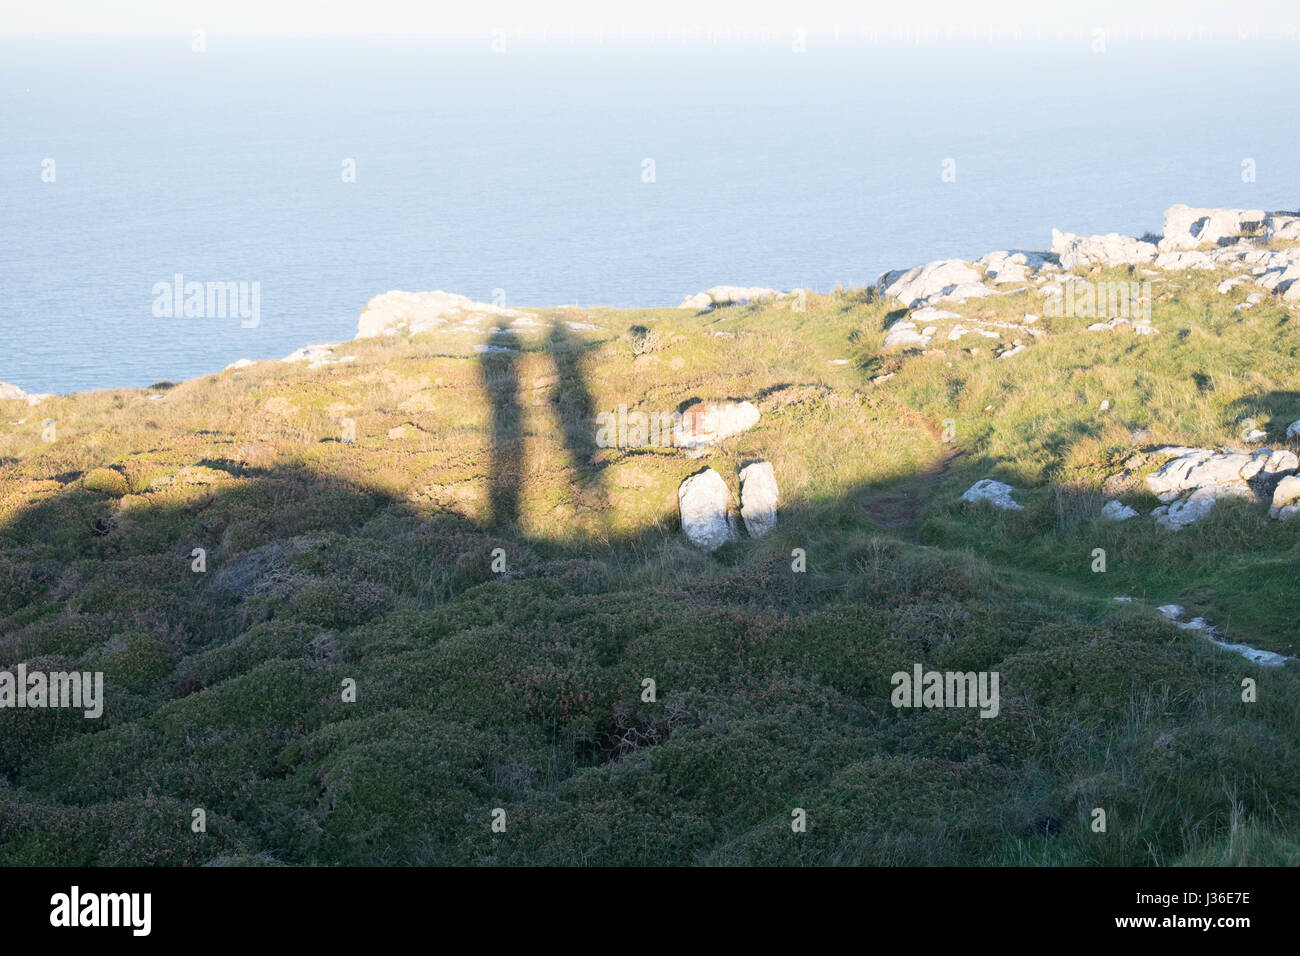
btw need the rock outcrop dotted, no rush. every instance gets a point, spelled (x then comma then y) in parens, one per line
(1003, 266)
(1188, 228)
(410, 313)
(945, 279)
(1194, 239)
(1195, 479)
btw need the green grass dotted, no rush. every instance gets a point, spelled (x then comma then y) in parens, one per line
(370, 560)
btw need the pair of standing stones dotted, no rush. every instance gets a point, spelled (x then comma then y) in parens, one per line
(705, 503)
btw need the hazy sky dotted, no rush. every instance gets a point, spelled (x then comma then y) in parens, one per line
(440, 17)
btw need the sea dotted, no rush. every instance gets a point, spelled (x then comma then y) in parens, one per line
(538, 171)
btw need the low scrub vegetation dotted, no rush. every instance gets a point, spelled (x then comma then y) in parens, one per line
(436, 527)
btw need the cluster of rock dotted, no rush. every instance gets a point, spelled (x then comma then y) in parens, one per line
(1193, 480)
(730, 295)
(707, 515)
(1189, 228)
(1192, 239)
(1206, 239)
(920, 328)
(708, 518)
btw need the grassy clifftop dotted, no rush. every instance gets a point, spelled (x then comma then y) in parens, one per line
(438, 524)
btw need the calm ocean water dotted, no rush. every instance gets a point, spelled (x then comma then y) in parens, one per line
(523, 171)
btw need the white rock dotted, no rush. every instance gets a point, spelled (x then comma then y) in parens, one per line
(1198, 505)
(317, 356)
(12, 393)
(1004, 266)
(959, 330)
(1185, 260)
(1284, 283)
(729, 295)
(930, 314)
(410, 313)
(968, 290)
(758, 498)
(1196, 468)
(1111, 249)
(1117, 511)
(904, 334)
(1186, 227)
(1286, 498)
(1121, 324)
(1105, 404)
(930, 281)
(1280, 462)
(705, 503)
(1262, 658)
(707, 423)
(995, 493)
(1282, 227)
(1293, 430)
(240, 363)
(1173, 612)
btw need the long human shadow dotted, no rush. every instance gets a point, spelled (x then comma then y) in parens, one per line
(571, 401)
(500, 376)
(575, 407)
